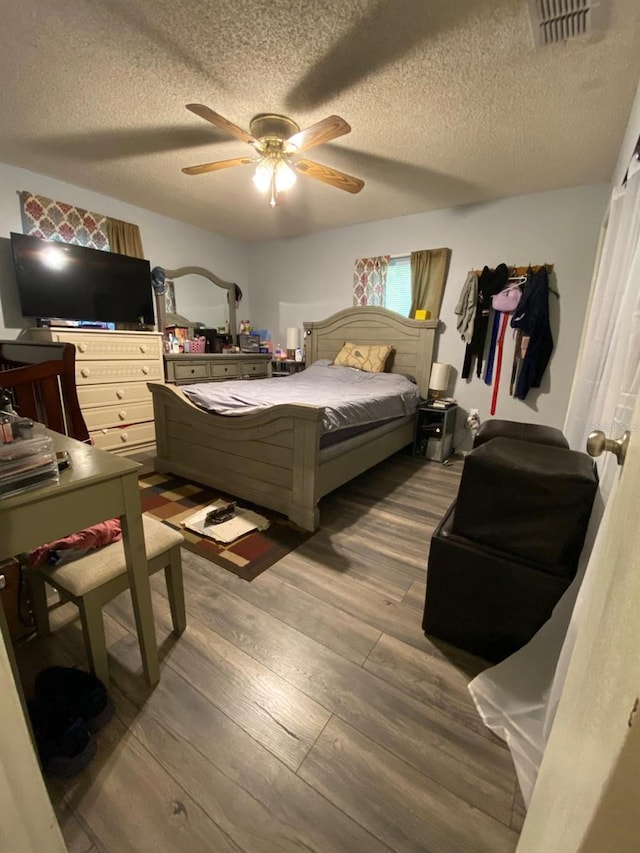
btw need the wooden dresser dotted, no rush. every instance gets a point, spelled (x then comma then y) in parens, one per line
(184, 368)
(112, 371)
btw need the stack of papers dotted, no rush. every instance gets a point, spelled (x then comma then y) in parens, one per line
(244, 521)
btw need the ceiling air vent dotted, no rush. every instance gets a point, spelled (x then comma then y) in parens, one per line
(555, 21)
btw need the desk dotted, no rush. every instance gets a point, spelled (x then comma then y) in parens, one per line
(98, 486)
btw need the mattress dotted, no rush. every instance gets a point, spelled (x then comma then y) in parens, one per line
(339, 443)
(349, 397)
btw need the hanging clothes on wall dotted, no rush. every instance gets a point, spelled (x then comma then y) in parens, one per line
(495, 328)
(489, 283)
(466, 307)
(532, 318)
(504, 304)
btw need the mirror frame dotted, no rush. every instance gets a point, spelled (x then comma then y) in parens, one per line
(229, 286)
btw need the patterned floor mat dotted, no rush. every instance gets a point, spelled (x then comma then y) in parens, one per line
(172, 499)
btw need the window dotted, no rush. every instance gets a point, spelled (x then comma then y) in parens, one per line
(397, 295)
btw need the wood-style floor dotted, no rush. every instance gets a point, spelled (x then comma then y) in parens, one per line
(303, 711)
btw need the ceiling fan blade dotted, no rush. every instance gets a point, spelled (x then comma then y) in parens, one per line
(221, 122)
(319, 133)
(329, 176)
(219, 164)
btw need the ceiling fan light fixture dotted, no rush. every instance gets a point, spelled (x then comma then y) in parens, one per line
(285, 176)
(273, 174)
(276, 139)
(262, 175)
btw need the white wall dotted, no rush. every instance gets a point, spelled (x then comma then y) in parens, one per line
(167, 242)
(308, 278)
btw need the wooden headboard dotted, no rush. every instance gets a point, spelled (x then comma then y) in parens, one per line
(412, 340)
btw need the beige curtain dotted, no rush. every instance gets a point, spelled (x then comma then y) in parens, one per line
(429, 269)
(124, 238)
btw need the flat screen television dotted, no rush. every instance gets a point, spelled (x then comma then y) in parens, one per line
(71, 282)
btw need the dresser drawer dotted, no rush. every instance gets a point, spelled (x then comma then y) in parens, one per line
(125, 438)
(108, 416)
(110, 345)
(224, 371)
(106, 395)
(254, 368)
(190, 371)
(97, 372)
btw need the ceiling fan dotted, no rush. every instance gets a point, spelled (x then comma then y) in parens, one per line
(277, 141)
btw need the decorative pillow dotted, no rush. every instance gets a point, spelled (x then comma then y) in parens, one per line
(369, 357)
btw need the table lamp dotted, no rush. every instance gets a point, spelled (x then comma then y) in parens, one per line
(439, 379)
(293, 341)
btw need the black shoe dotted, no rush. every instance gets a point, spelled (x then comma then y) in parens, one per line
(76, 694)
(65, 745)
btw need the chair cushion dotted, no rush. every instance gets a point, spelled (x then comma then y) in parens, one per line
(529, 500)
(537, 433)
(99, 567)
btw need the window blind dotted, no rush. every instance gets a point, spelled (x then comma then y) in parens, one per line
(398, 288)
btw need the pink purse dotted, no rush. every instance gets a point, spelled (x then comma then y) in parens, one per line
(507, 300)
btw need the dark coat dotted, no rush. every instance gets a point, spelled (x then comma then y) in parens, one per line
(532, 316)
(490, 282)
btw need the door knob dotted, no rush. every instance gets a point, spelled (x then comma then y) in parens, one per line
(598, 443)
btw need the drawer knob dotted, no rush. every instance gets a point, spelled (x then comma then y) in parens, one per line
(84, 372)
(82, 347)
(193, 370)
(124, 436)
(143, 347)
(145, 369)
(120, 394)
(122, 414)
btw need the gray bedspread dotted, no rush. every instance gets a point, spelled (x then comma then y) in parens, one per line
(349, 397)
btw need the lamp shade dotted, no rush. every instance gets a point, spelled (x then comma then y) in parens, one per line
(440, 376)
(293, 338)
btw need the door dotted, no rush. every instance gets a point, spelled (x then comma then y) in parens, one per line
(28, 822)
(586, 796)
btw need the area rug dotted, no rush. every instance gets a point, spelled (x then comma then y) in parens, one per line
(173, 499)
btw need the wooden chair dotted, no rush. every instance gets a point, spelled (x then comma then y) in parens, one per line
(42, 379)
(93, 580)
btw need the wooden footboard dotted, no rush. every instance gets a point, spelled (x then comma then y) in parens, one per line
(270, 458)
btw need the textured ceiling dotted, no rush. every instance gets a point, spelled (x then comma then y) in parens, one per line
(448, 101)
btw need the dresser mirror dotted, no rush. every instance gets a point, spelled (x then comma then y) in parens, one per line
(195, 297)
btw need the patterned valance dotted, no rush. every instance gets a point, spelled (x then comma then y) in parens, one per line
(369, 280)
(55, 220)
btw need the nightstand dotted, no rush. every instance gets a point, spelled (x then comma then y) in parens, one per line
(285, 366)
(435, 428)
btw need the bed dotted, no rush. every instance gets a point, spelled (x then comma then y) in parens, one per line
(274, 457)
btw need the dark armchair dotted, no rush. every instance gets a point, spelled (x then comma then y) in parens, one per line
(508, 547)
